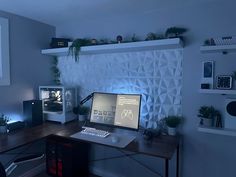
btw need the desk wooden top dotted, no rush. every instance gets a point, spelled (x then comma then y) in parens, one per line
(25, 136)
(162, 146)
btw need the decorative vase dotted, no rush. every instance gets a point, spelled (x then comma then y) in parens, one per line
(171, 131)
(3, 129)
(206, 122)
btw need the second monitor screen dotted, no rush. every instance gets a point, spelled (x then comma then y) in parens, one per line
(114, 109)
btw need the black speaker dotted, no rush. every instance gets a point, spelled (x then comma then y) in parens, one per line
(33, 112)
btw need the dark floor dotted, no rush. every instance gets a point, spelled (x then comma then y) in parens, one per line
(44, 174)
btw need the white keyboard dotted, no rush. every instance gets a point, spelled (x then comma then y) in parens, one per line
(95, 132)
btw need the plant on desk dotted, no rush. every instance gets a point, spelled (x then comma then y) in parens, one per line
(82, 112)
(3, 123)
(172, 123)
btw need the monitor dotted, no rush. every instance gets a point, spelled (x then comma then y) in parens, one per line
(120, 110)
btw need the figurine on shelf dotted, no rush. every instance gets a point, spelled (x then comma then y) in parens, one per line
(94, 41)
(119, 39)
(209, 42)
(218, 119)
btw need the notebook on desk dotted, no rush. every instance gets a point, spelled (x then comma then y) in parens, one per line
(121, 142)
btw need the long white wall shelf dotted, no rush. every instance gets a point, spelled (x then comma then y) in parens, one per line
(217, 91)
(218, 48)
(173, 43)
(219, 131)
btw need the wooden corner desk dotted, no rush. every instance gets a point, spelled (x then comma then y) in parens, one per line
(163, 146)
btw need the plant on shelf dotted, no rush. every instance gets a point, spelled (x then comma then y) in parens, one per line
(3, 123)
(74, 49)
(82, 112)
(55, 71)
(174, 32)
(207, 114)
(172, 123)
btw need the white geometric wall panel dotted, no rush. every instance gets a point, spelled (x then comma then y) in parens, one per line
(157, 75)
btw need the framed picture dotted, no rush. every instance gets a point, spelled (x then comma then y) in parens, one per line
(4, 52)
(208, 73)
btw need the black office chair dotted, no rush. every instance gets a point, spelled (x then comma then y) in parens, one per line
(6, 172)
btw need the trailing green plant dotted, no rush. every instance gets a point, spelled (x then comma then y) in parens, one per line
(173, 121)
(4, 119)
(74, 49)
(153, 36)
(208, 112)
(174, 32)
(55, 71)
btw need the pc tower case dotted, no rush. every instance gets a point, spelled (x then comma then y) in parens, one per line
(66, 158)
(58, 103)
(33, 113)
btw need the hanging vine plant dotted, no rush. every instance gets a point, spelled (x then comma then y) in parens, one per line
(74, 49)
(56, 72)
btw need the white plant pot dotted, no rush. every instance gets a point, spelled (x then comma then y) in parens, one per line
(83, 117)
(206, 122)
(171, 131)
(3, 129)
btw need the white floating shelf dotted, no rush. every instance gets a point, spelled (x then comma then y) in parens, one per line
(219, 131)
(218, 48)
(173, 43)
(217, 91)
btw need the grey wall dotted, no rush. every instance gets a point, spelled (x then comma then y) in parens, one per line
(28, 68)
(203, 155)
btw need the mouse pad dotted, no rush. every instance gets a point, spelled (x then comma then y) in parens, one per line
(123, 139)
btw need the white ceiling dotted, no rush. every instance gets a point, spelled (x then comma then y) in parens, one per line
(56, 12)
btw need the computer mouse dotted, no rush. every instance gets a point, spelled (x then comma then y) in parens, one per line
(115, 139)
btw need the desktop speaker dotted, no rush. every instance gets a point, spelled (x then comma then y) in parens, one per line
(33, 112)
(230, 113)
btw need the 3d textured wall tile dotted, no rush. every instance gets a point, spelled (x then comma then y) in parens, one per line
(157, 75)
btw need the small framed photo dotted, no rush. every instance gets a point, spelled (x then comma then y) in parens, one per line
(208, 69)
(208, 73)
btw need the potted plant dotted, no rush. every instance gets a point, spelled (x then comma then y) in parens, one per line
(172, 123)
(74, 49)
(82, 112)
(3, 123)
(174, 32)
(207, 114)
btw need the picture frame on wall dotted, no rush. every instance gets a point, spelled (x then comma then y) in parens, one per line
(208, 73)
(4, 52)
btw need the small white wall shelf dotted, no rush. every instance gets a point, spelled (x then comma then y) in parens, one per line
(218, 131)
(217, 91)
(218, 48)
(173, 43)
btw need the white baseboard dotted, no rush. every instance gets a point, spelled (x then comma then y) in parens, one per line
(34, 171)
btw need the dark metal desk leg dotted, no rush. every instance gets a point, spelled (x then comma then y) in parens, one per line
(166, 167)
(177, 162)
